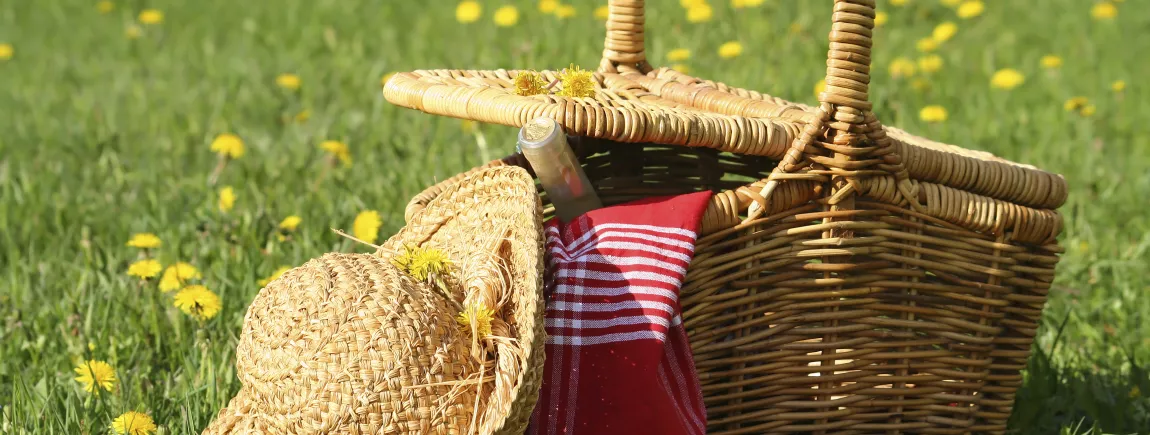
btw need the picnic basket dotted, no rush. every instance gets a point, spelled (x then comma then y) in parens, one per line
(849, 277)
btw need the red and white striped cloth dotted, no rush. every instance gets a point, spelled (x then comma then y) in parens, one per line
(618, 360)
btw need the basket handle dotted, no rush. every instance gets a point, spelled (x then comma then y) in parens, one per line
(844, 124)
(848, 62)
(623, 49)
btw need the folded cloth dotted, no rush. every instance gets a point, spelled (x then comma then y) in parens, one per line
(618, 360)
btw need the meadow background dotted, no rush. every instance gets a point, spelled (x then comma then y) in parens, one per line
(108, 114)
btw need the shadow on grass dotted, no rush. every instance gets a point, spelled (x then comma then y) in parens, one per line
(1071, 398)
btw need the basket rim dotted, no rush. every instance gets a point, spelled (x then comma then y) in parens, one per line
(624, 110)
(946, 207)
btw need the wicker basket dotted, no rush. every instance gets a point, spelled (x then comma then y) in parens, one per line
(850, 277)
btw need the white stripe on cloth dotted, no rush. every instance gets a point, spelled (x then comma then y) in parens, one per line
(626, 276)
(567, 256)
(631, 261)
(606, 323)
(663, 379)
(573, 387)
(603, 230)
(681, 383)
(618, 291)
(592, 340)
(615, 306)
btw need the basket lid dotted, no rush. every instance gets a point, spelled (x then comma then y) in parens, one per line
(636, 103)
(350, 343)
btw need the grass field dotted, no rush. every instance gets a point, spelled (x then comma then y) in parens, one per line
(106, 124)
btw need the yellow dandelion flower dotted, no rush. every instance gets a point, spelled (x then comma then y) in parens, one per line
(1104, 11)
(169, 282)
(899, 2)
(227, 199)
(529, 83)
(105, 6)
(290, 223)
(151, 16)
(366, 226)
(133, 31)
(476, 317)
(1118, 85)
(1075, 103)
(739, 4)
(687, 4)
(678, 55)
(468, 11)
(144, 241)
(6, 51)
(602, 12)
(902, 67)
(506, 16)
(302, 116)
(144, 269)
(1007, 78)
(275, 274)
(951, 3)
(548, 6)
(730, 49)
(577, 83)
(944, 31)
(565, 11)
(926, 45)
(1088, 110)
(820, 87)
(929, 64)
(920, 84)
(1135, 392)
(287, 81)
(700, 13)
(337, 149)
(933, 113)
(228, 145)
(95, 375)
(422, 263)
(881, 18)
(683, 68)
(385, 78)
(970, 9)
(197, 301)
(177, 275)
(133, 423)
(1051, 61)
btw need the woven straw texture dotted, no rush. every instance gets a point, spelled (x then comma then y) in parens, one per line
(349, 343)
(850, 277)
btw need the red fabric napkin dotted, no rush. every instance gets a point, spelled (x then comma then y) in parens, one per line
(618, 360)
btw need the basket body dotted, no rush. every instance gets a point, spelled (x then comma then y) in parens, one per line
(849, 277)
(909, 324)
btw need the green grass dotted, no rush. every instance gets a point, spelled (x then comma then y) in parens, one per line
(102, 136)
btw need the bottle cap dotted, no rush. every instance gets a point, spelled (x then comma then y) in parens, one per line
(538, 132)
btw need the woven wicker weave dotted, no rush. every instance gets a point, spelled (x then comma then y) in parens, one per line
(851, 277)
(348, 343)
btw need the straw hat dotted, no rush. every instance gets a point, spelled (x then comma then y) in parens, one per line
(361, 343)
